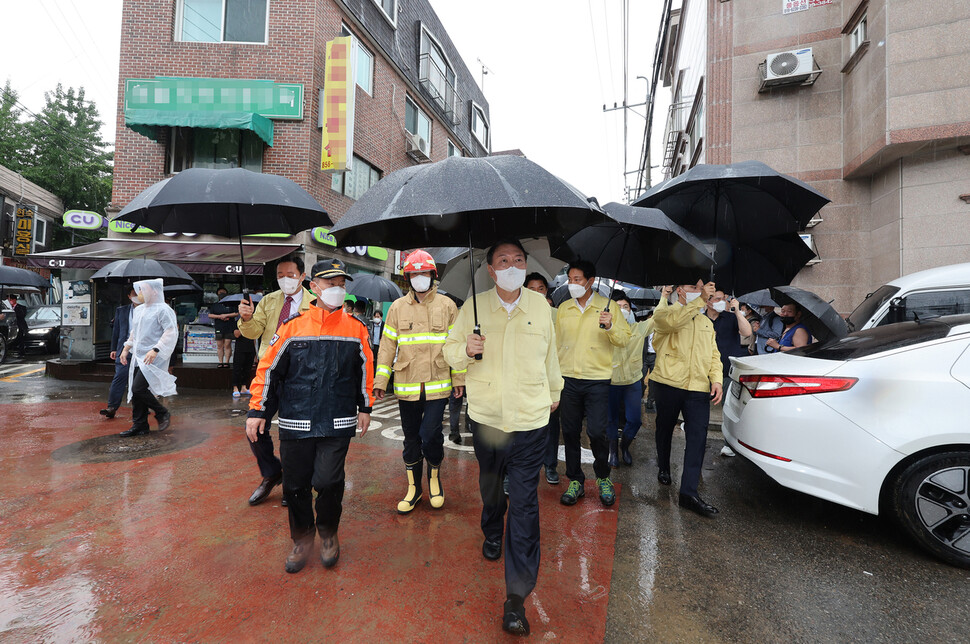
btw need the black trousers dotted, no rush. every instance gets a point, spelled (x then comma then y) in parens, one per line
(588, 398)
(142, 399)
(242, 368)
(314, 464)
(695, 406)
(454, 412)
(552, 440)
(519, 454)
(269, 465)
(422, 422)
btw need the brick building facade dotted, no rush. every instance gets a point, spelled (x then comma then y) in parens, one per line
(409, 90)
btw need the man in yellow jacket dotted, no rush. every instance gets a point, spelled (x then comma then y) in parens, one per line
(415, 331)
(261, 324)
(588, 327)
(686, 378)
(511, 392)
(626, 385)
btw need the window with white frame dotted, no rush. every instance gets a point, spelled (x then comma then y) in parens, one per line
(389, 7)
(40, 235)
(356, 181)
(480, 125)
(453, 150)
(416, 121)
(436, 73)
(859, 34)
(365, 64)
(222, 21)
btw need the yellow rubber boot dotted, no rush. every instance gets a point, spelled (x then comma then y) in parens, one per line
(413, 496)
(435, 493)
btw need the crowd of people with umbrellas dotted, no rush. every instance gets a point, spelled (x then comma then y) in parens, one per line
(531, 348)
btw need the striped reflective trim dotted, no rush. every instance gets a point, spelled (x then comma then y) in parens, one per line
(294, 425)
(344, 423)
(390, 331)
(459, 371)
(407, 389)
(383, 370)
(440, 385)
(423, 338)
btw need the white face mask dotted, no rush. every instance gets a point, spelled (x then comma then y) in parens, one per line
(421, 283)
(628, 315)
(577, 291)
(333, 297)
(690, 297)
(135, 300)
(510, 279)
(719, 306)
(289, 285)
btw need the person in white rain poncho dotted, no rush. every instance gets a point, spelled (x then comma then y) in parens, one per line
(154, 332)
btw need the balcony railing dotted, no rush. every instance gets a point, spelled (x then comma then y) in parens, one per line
(675, 136)
(435, 82)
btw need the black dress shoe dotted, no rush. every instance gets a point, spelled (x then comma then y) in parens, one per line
(265, 487)
(664, 477)
(514, 621)
(552, 476)
(455, 437)
(164, 421)
(134, 431)
(283, 502)
(492, 550)
(698, 505)
(108, 412)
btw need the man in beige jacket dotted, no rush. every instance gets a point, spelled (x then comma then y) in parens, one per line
(260, 323)
(415, 331)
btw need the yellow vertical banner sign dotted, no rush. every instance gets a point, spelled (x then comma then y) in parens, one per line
(339, 92)
(24, 233)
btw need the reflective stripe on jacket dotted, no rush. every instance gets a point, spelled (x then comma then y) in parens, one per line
(687, 355)
(411, 347)
(316, 373)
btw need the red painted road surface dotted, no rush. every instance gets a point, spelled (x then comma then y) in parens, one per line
(165, 549)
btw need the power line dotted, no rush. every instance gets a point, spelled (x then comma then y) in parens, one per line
(70, 43)
(85, 145)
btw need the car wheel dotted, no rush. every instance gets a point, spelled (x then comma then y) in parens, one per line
(932, 503)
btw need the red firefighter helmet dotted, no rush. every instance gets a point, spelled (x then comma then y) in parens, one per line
(420, 262)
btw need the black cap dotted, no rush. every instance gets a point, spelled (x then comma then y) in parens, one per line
(329, 267)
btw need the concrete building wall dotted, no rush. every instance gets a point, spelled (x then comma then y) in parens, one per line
(934, 219)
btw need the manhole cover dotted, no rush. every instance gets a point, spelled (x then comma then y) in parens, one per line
(107, 449)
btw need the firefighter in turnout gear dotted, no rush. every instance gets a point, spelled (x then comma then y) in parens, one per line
(415, 331)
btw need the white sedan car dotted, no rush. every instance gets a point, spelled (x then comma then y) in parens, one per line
(876, 421)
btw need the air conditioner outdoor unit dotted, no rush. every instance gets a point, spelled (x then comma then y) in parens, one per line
(794, 67)
(417, 147)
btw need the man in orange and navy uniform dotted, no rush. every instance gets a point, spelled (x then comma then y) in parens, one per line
(317, 374)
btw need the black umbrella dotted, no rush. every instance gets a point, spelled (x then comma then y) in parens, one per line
(236, 298)
(478, 199)
(373, 287)
(738, 203)
(484, 199)
(13, 276)
(818, 315)
(228, 203)
(133, 270)
(177, 290)
(642, 295)
(771, 261)
(758, 298)
(638, 245)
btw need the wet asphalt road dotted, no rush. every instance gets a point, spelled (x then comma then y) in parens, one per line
(775, 566)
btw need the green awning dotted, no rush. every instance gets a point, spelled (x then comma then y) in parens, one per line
(147, 122)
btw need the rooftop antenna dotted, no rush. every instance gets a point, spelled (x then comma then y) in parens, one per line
(485, 70)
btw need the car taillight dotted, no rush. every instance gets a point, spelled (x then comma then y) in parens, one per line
(779, 386)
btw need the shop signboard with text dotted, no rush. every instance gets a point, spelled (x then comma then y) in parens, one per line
(339, 93)
(23, 235)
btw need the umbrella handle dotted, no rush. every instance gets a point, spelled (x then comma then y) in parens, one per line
(477, 331)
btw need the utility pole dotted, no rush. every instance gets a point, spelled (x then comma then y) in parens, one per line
(485, 70)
